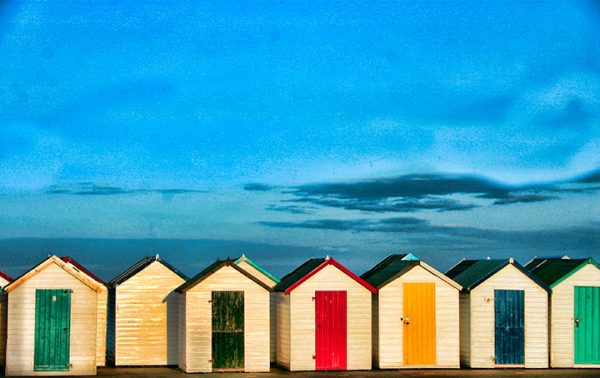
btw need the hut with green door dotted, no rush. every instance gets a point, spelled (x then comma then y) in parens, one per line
(5, 279)
(503, 315)
(52, 321)
(574, 310)
(224, 321)
(270, 280)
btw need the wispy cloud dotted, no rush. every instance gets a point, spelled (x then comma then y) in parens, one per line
(91, 189)
(292, 209)
(258, 187)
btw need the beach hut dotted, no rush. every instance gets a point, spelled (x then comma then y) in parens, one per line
(503, 315)
(52, 321)
(5, 279)
(142, 315)
(574, 309)
(415, 315)
(324, 318)
(224, 321)
(270, 280)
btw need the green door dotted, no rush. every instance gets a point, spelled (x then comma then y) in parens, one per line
(587, 325)
(52, 330)
(228, 330)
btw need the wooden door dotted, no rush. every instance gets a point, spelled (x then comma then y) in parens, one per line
(419, 340)
(228, 330)
(510, 327)
(330, 330)
(587, 325)
(52, 330)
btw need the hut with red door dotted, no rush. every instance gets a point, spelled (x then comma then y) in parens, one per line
(323, 318)
(5, 279)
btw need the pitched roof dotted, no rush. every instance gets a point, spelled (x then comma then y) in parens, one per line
(312, 266)
(67, 267)
(6, 276)
(212, 268)
(70, 260)
(141, 265)
(553, 271)
(257, 267)
(395, 266)
(470, 273)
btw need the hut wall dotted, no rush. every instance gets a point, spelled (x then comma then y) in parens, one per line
(146, 324)
(283, 329)
(182, 361)
(3, 308)
(21, 323)
(102, 315)
(482, 319)
(375, 329)
(391, 354)
(199, 322)
(465, 328)
(303, 319)
(562, 316)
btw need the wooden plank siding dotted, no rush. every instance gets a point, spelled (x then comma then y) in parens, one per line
(146, 318)
(562, 316)
(283, 329)
(102, 324)
(482, 350)
(3, 310)
(273, 306)
(198, 322)
(465, 328)
(21, 323)
(302, 320)
(390, 312)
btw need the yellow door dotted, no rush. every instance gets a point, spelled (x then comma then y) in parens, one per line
(419, 324)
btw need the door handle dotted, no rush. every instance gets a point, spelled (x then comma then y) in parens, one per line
(577, 320)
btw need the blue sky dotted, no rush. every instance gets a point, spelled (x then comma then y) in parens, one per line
(446, 129)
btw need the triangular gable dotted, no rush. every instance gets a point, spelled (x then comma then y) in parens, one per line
(214, 267)
(326, 262)
(257, 267)
(84, 278)
(429, 269)
(141, 265)
(81, 268)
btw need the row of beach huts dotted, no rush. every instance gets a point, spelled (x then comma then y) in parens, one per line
(60, 319)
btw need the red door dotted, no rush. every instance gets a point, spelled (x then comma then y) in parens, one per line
(330, 331)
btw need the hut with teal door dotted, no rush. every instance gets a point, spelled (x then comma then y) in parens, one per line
(270, 280)
(52, 321)
(503, 315)
(574, 310)
(224, 321)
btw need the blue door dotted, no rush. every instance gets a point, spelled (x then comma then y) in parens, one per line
(509, 327)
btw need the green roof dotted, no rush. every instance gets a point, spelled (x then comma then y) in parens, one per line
(298, 273)
(257, 267)
(553, 271)
(473, 272)
(387, 269)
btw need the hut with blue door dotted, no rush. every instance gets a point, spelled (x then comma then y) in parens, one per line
(5, 279)
(52, 321)
(574, 310)
(224, 321)
(503, 315)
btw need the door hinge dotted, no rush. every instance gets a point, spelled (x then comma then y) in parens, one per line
(313, 298)
(314, 357)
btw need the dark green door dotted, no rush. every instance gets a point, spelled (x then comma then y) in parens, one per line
(52, 330)
(587, 325)
(509, 327)
(228, 330)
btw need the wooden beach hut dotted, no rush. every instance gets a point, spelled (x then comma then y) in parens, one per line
(5, 279)
(224, 321)
(415, 315)
(52, 321)
(270, 280)
(142, 315)
(503, 315)
(574, 310)
(324, 318)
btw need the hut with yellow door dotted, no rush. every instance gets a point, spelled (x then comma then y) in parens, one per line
(270, 280)
(323, 318)
(224, 321)
(503, 315)
(52, 321)
(142, 315)
(415, 315)
(574, 310)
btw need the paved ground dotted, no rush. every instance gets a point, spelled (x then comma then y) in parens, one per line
(170, 372)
